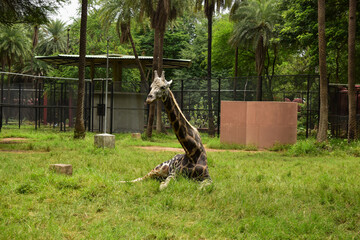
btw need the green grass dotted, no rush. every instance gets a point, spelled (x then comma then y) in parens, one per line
(304, 191)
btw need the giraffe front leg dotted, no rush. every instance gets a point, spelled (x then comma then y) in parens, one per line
(166, 182)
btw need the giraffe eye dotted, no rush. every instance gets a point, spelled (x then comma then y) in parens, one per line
(162, 87)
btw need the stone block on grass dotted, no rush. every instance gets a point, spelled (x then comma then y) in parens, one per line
(62, 168)
(136, 135)
(104, 140)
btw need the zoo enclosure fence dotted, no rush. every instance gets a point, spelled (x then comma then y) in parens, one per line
(51, 101)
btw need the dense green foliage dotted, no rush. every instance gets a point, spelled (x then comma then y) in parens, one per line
(305, 191)
(292, 49)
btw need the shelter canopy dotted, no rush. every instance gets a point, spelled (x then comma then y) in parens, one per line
(125, 61)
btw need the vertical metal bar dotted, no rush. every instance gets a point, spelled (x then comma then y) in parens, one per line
(101, 118)
(112, 107)
(40, 93)
(2, 100)
(65, 89)
(307, 106)
(54, 109)
(90, 109)
(36, 103)
(182, 95)
(92, 104)
(106, 83)
(86, 111)
(218, 113)
(61, 104)
(235, 78)
(19, 104)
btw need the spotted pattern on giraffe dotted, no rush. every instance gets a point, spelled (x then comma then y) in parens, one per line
(193, 163)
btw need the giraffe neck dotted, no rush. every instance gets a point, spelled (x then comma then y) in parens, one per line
(187, 135)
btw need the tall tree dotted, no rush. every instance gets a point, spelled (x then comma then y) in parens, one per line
(26, 11)
(79, 124)
(351, 71)
(323, 119)
(254, 26)
(13, 48)
(54, 40)
(122, 12)
(160, 13)
(209, 8)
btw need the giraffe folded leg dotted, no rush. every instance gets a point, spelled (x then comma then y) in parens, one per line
(160, 171)
(166, 182)
(206, 182)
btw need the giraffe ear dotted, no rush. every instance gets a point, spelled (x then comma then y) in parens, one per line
(156, 74)
(168, 83)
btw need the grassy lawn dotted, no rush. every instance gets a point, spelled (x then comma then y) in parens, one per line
(305, 191)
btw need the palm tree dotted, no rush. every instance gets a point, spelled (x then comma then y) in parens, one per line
(54, 40)
(13, 48)
(160, 13)
(209, 9)
(254, 25)
(79, 123)
(323, 119)
(351, 71)
(121, 12)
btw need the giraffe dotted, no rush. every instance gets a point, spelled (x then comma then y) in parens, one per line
(193, 163)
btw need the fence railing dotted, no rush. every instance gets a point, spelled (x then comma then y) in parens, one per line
(48, 101)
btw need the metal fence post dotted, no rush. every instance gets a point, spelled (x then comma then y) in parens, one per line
(219, 104)
(36, 103)
(307, 106)
(19, 104)
(112, 107)
(182, 95)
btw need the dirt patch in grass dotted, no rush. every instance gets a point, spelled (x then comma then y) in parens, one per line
(12, 140)
(21, 151)
(170, 149)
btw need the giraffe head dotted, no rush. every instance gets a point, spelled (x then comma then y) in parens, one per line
(159, 88)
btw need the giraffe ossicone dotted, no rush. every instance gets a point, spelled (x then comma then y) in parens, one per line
(193, 163)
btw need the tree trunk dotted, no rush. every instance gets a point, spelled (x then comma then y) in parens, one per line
(211, 117)
(143, 85)
(159, 124)
(323, 119)
(79, 124)
(260, 60)
(236, 72)
(152, 106)
(351, 71)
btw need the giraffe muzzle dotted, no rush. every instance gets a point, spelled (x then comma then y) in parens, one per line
(150, 99)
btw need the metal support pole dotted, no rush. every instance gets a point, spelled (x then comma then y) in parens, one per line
(19, 104)
(36, 99)
(64, 101)
(61, 104)
(40, 93)
(182, 95)
(219, 103)
(112, 107)
(307, 106)
(106, 82)
(2, 100)
(92, 105)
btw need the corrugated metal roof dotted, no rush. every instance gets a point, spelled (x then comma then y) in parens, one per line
(126, 61)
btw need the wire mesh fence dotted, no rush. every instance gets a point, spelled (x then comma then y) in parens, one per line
(51, 102)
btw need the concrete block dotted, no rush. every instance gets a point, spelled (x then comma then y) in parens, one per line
(104, 140)
(136, 135)
(61, 168)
